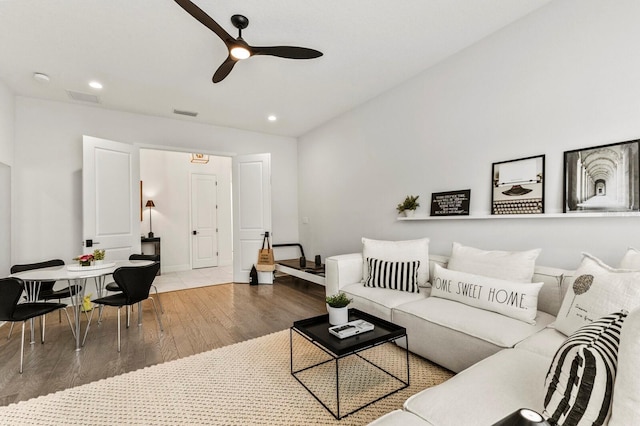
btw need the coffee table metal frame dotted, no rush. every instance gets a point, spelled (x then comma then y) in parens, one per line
(315, 330)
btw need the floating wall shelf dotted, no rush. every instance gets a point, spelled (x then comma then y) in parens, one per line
(418, 217)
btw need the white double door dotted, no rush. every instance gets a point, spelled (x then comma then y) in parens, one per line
(112, 202)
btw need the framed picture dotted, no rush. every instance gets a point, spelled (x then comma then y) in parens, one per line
(452, 203)
(602, 179)
(518, 186)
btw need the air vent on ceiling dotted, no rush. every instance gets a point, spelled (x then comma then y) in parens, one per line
(83, 97)
(182, 112)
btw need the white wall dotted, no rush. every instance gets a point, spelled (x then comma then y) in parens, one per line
(565, 77)
(166, 178)
(48, 168)
(7, 116)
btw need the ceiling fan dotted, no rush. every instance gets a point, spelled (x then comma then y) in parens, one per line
(238, 48)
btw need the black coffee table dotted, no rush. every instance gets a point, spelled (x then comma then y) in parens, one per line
(316, 331)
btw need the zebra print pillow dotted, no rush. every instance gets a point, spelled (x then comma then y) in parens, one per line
(579, 383)
(401, 276)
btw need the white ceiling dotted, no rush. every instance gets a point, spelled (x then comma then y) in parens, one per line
(152, 57)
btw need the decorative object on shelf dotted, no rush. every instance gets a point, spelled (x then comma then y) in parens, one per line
(518, 186)
(337, 308)
(199, 158)
(452, 203)
(318, 260)
(84, 259)
(150, 204)
(409, 205)
(602, 178)
(98, 256)
(303, 262)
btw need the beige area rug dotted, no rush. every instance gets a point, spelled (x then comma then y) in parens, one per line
(248, 383)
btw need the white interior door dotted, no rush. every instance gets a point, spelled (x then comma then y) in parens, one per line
(252, 210)
(110, 198)
(204, 221)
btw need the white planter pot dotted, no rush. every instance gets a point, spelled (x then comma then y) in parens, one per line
(98, 262)
(409, 213)
(338, 316)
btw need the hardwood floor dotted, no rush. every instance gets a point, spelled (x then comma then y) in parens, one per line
(195, 320)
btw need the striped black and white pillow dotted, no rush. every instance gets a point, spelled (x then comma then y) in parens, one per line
(579, 383)
(393, 275)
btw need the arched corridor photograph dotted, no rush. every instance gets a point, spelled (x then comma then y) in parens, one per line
(602, 179)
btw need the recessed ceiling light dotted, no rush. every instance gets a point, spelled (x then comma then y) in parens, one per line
(40, 77)
(272, 118)
(95, 84)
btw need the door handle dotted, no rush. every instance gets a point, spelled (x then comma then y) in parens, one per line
(194, 232)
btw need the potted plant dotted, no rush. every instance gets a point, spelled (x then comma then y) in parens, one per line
(409, 205)
(98, 256)
(84, 260)
(337, 308)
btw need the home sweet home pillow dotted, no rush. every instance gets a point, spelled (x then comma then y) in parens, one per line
(506, 265)
(512, 299)
(398, 251)
(598, 290)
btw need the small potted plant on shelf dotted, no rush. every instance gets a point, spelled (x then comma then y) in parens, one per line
(409, 205)
(337, 308)
(98, 257)
(84, 259)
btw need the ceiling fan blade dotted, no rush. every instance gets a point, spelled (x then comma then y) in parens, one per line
(290, 52)
(205, 19)
(224, 69)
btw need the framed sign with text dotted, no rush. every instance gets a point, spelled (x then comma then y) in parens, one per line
(452, 203)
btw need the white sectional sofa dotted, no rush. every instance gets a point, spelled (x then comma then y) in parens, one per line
(501, 362)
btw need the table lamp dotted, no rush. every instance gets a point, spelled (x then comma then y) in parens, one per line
(150, 204)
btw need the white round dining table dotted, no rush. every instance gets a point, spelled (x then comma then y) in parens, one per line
(74, 276)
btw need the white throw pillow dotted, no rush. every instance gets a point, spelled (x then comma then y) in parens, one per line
(626, 392)
(506, 265)
(581, 378)
(631, 259)
(398, 251)
(598, 290)
(512, 299)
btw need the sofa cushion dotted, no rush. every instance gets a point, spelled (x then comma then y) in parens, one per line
(401, 276)
(597, 290)
(398, 251)
(545, 342)
(626, 392)
(631, 259)
(379, 301)
(507, 265)
(513, 299)
(498, 329)
(579, 384)
(485, 392)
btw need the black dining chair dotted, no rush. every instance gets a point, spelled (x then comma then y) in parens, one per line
(113, 286)
(134, 283)
(46, 291)
(12, 311)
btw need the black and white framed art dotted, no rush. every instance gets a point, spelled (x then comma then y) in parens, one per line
(602, 179)
(518, 186)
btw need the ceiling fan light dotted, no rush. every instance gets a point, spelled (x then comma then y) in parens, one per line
(240, 52)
